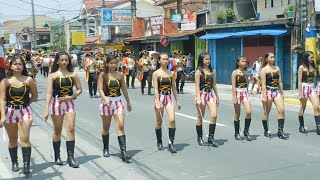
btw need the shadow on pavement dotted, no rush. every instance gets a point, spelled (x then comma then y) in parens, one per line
(86, 158)
(181, 146)
(220, 142)
(130, 153)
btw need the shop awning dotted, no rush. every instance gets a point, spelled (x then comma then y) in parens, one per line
(262, 32)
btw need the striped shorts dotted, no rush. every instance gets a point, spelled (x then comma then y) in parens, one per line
(308, 90)
(207, 97)
(61, 107)
(165, 100)
(242, 95)
(116, 106)
(16, 115)
(271, 94)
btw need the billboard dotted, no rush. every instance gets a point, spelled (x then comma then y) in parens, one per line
(156, 25)
(78, 38)
(189, 21)
(116, 17)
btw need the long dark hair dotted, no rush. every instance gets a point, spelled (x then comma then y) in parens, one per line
(264, 61)
(106, 71)
(24, 70)
(55, 65)
(238, 59)
(200, 62)
(158, 63)
(305, 58)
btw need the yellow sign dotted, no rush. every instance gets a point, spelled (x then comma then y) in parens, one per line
(6, 36)
(311, 45)
(78, 38)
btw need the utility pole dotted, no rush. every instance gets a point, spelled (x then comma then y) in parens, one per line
(133, 8)
(34, 44)
(103, 4)
(179, 4)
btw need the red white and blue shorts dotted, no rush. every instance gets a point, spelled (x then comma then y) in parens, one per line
(242, 95)
(61, 107)
(164, 100)
(308, 90)
(206, 97)
(272, 92)
(16, 115)
(116, 106)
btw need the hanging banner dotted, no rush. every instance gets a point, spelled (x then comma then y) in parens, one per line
(78, 38)
(156, 25)
(12, 39)
(105, 33)
(189, 21)
(116, 17)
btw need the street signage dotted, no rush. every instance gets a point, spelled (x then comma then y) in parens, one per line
(116, 17)
(189, 21)
(105, 33)
(78, 38)
(176, 18)
(156, 25)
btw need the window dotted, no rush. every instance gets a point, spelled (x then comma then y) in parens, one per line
(149, 46)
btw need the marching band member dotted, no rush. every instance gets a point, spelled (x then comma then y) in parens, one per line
(93, 79)
(164, 86)
(272, 91)
(129, 68)
(177, 66)
(60, 101)
(16, 113)
(88, 57)
(240, 95)
(111, 83)
(306, 74)
(144, 75)
(206, 95)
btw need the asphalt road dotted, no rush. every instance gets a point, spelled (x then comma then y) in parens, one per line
(262, 158)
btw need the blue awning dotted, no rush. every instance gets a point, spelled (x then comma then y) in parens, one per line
(183, 38)
(263, 32)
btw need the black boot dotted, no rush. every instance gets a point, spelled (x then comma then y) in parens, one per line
(280, 129)
(159, 139)
(70, 150)
(26, 153)
(212, 129)
(199, 133)
(105, 140)
(14, 158)
(246, 129)
(266, 129)
(171, 147)
(236, 130)
(302, 129)
(56, 148)
(123, 148)
(317, 119)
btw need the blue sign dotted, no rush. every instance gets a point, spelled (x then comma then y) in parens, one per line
(176, 18)
(116, 17)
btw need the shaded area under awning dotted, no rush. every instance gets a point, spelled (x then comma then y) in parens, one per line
(262, 32)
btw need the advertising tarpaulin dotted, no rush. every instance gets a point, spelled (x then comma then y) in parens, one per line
(189, 21)
(156, 25)
(78, 38)
(116, 17)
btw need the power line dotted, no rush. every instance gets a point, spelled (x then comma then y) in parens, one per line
(58, 10)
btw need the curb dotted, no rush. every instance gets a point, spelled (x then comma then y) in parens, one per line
(295, 102)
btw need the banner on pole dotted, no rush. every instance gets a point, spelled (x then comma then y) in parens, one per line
(116, 17)
(78, 38)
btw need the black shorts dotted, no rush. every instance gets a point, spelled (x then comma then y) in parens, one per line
(2, 74)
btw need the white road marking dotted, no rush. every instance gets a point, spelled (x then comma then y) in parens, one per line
(195, 118)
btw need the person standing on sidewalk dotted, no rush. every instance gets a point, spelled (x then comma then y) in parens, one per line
(60, 100)
(272, 91)
(111, 83)
(16, 113)
(164, 86)
(206, 95)
(240, 95)
(256, 67)
(306, 75)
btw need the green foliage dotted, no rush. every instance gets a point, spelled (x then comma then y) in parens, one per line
(221, 15)
(290, 7)
(230, 14)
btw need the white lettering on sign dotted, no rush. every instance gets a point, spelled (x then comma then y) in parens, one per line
(157, 20)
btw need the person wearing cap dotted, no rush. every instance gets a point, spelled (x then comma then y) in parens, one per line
(144, 75)
(177, 66)
(129, 70)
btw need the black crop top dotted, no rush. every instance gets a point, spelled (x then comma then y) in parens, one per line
(308, 76)
(62, 87)
(18, 95)
(164, 84)
(113, 88)
(241, 81)
(272, 79)
(206, 82)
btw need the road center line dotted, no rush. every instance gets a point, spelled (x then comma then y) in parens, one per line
(195, 118)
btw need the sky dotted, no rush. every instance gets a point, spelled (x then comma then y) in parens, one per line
(21, 9)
